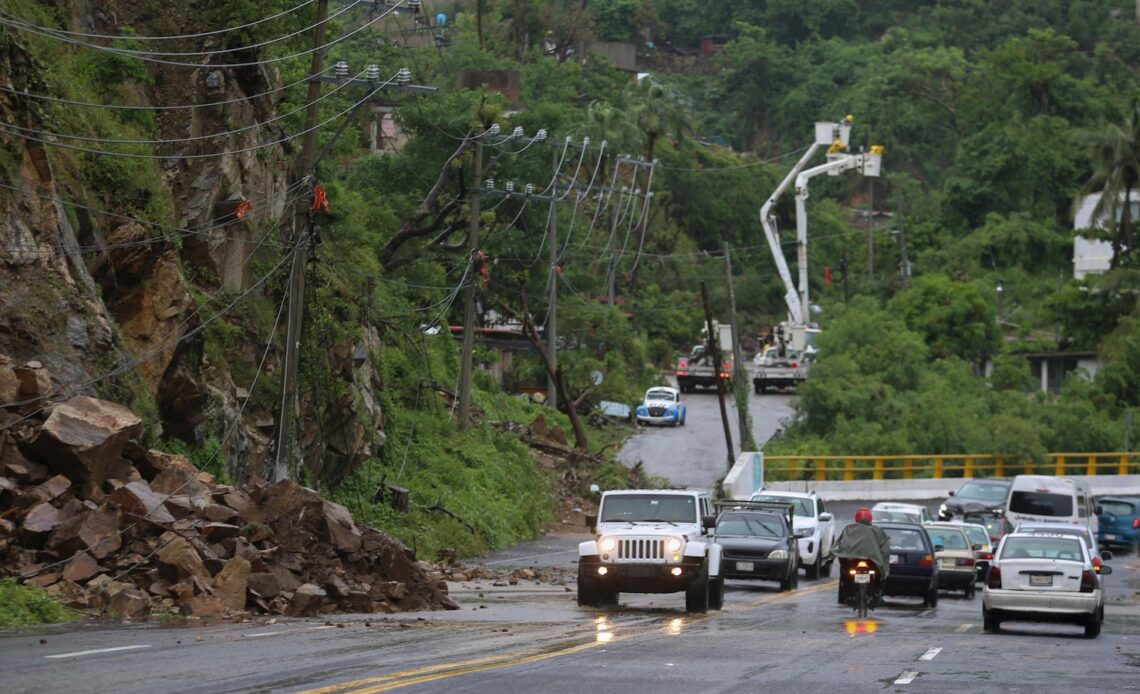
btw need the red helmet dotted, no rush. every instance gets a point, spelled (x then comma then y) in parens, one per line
(863, 515)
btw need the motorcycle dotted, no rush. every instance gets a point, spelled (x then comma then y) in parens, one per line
(859, 585)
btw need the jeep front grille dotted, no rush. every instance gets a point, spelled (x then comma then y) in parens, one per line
(641, 549)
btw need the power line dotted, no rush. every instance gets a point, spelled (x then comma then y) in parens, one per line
(179, 37)
(127, 54)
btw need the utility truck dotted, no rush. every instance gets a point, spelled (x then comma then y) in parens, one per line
(798, 331)
(699, 368)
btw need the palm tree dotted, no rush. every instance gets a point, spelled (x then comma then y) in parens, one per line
(1115, 154)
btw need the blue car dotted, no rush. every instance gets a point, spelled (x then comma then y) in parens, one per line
(662, 405)
(913, 568)
(1119, 522)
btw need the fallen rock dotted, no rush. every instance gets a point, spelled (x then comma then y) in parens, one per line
(231, 583)
(138, 499)
(307, 600)
(96, 531)
(52, 489)
(84, 437)
(81, 567)
(178, 559)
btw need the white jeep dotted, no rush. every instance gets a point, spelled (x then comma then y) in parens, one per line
(814, 527)
(652, 541)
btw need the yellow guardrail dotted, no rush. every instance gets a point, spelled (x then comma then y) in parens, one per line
(905, 467)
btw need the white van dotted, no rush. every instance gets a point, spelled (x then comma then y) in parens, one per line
(1043, 498)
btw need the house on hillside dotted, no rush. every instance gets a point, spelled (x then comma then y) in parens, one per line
(1094, 256)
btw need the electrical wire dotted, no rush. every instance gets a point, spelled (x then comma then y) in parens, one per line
(195, 138)
(268, 61)
(6, 127)
(165, 107)
(130, 52)
(180, 37)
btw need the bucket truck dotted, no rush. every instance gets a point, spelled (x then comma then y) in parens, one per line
(794, 336)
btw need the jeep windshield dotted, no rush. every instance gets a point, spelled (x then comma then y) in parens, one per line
(647, 508)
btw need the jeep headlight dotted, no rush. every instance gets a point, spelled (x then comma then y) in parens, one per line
(673, 544)
(608, 544)
(778, 554)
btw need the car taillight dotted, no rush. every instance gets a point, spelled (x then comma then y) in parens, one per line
(985, 555)
(963, 562)
(993, 579)
(1135, 522)
(1096, 562)
(794, 365)
(1088, 581)
(926, 562)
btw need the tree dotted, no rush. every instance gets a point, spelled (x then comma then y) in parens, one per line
(954, 318)
(1115, 154)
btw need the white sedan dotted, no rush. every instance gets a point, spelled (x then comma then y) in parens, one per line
(1043, 578)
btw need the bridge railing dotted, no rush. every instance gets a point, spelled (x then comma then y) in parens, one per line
(905, 467)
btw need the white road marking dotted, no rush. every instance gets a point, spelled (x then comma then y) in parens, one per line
(76, 654)
(929, 655)
(964, 628)
(907, 677)
(286, 631)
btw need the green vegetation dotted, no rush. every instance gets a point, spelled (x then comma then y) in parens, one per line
(996, 117)
(23, 605)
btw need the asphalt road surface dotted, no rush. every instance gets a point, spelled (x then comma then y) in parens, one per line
(532, 637)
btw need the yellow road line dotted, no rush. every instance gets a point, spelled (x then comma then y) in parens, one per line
(439, 671)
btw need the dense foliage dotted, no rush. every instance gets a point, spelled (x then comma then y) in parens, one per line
(995, 116)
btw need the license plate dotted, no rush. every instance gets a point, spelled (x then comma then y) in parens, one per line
(1040, 580)
(894, 559)
(744, 566)
(1109, 536)
(862, 578)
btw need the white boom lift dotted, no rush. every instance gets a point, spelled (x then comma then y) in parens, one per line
(836, 136)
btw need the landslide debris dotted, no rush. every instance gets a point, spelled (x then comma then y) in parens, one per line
(110, 528)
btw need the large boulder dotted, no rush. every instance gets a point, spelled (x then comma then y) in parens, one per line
(84, 438)
(231, 583)
(138, 499)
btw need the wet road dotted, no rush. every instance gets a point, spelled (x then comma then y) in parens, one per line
(532, 637)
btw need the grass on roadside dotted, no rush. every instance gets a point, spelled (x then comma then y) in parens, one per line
(23, 605)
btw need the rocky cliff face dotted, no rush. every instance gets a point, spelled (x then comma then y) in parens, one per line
(105, 301)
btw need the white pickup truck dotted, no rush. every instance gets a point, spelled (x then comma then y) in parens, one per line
(814, 526)
(652, 541)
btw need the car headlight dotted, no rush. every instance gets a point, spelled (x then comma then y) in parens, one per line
(778, 554)
(673, 544)
(608, 544)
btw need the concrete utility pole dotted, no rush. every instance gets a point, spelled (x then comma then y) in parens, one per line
(466, 357)
(717, 361)
(904, 262)
(552, 254)
(871, 228)
(284, 467)
(739, 372)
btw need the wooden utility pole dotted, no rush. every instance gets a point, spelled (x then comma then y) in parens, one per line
(870, 229)
(714, 343)
(466, 357)
(552, 311)
(286, 438)
(904, 262)
(739, 373)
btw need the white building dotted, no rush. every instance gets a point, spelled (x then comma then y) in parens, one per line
(1093, 256)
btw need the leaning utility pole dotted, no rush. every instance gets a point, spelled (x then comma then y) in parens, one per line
(552, 254)
(739, 373)
(466, 357)
(283, 466)
(714, 343)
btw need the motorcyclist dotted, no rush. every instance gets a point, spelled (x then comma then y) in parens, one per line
(862, 540)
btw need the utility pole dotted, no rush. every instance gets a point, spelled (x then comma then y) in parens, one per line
(904, 262)
(552, 310)
(739, 373)
(871, 228)
(465, 362)
(717, 362)
(283, 466)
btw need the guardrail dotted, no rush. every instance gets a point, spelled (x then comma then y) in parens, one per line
(904, 467)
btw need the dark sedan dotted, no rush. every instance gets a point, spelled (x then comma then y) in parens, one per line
(984, 495)
(758, 544)
(913, 569)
